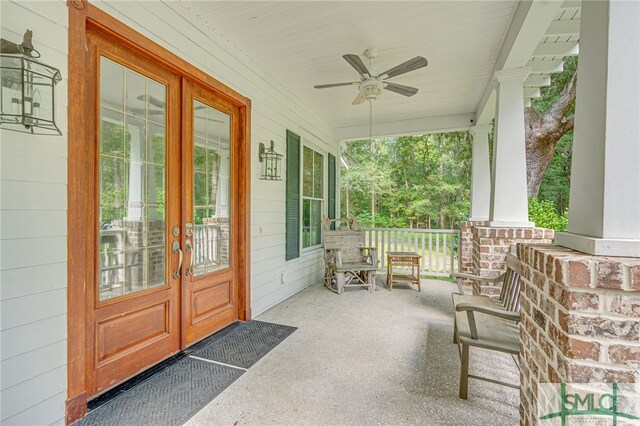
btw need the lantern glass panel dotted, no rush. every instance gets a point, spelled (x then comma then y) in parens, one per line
(38, 102)
(27, 97)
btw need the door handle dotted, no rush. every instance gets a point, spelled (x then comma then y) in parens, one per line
(176, 249)
(189, 247)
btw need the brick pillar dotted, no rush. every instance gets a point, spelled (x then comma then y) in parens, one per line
(466, 248)
(490, 247)
(580, 323)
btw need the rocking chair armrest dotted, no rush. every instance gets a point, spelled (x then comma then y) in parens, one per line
(372, 254)
(489, 310)
(478, 277)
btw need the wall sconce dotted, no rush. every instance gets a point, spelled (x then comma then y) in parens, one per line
(270, 160)
(27, 89)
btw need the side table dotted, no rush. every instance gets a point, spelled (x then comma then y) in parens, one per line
(406, 259)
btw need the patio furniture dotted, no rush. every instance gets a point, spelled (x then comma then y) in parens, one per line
(399, 259)
(487, 323)
(348, 262)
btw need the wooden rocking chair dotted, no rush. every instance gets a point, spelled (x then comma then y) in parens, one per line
(348, 263)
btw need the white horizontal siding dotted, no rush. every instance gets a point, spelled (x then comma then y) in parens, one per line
(25, 395)
(28, 337)
(32, 364)
(42, 413)
(33, 222)
(22, 282)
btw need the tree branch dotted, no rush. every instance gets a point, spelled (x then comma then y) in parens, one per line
(562, 105)
(568, 124)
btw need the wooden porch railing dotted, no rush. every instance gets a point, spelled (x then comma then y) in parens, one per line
(439, 248)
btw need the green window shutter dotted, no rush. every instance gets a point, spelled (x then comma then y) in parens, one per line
(293, 197)
(331, 205)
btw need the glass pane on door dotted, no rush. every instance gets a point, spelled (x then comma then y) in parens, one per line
(132, 255)
(211, 168)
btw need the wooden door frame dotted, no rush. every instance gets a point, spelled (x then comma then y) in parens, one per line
(83, 16)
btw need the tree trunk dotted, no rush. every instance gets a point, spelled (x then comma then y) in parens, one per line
(373, 208)
(348, 202)
(542, 132)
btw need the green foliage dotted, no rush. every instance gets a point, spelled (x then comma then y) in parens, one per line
(550, 94)
(424, 180)
(544, 214)
(415, 181)
(556, 181)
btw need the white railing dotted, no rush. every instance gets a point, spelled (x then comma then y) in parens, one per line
(205, 244)
(439, 248)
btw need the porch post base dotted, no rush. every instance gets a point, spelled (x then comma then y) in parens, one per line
(599, 246)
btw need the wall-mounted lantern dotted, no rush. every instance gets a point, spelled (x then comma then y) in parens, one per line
(271, 162)
(27, 89)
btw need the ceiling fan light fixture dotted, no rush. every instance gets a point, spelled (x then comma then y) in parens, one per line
(371, 89)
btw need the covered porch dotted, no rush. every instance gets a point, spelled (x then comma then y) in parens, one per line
(358, 357)
(362, 358)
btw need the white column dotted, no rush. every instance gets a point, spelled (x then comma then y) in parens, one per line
(480, 174)
(509, 175)
(222, 197)
(134, 201)
(604, 204)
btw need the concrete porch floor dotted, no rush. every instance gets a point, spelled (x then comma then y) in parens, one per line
(362, 358)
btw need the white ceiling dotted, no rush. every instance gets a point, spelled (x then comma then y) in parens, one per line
(301, 44)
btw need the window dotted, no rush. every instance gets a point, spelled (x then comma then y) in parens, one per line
(312, 197)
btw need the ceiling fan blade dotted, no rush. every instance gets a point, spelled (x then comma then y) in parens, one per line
(358, 100)
(401, 89)
(356, 62)
(152, 100)
(410, 65)
(324, 86)
(150, 111)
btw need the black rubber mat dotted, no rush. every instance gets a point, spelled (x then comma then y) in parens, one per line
(176, 393)
(245, 344)
(171, 397)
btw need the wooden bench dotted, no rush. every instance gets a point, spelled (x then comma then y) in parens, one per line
(348, 262)
(487, 323)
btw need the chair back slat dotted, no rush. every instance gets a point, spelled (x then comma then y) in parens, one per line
(507, 286)
(510, 292)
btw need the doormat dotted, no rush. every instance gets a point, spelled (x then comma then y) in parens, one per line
(244, 345)
(171, 397)
(176, 393)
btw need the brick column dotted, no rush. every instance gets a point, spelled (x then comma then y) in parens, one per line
(466, 248)
(490, 247)
(580, 323)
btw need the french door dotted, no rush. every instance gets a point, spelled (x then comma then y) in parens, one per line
(210, 288)
(164, 237)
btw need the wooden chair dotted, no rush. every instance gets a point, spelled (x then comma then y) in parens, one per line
(348, 262)
(487, 323)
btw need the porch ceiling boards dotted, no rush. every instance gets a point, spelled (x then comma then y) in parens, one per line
(301, 44)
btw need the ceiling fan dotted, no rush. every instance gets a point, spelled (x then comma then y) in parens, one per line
(370, 85)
